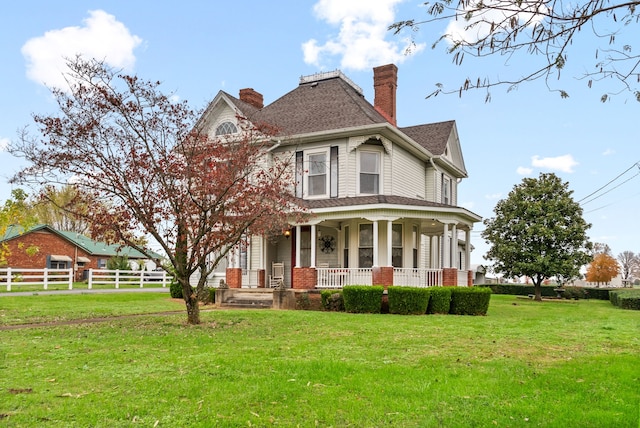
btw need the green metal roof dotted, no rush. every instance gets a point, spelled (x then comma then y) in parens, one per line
(95, 248)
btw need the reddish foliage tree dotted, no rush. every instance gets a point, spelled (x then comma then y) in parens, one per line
(151, 165)
(602, 269)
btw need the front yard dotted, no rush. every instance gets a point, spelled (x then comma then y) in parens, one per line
(560, 364)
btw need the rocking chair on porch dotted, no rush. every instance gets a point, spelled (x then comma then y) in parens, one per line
(276, 279)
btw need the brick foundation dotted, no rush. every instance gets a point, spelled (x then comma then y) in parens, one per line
(450, 277)
(382, 275)
(234, 277)
(305, 278)
(470, 278)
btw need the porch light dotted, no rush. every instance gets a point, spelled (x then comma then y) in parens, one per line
(287, 233)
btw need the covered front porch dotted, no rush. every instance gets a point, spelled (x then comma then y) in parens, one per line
(423, 248)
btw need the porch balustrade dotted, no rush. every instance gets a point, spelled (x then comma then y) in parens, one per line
(417, 277)
(463, 278)
(250, 278)
(339, 277)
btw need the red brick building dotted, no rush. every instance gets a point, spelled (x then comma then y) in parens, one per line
(45, 247)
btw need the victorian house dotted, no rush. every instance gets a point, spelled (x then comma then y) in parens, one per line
(383, 199)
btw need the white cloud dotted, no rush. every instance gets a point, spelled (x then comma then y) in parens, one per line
(608, 152)
(101, 37)
(361, 40)
(4, 143)
(479, 25)
(493, 196)
(523, 170)
(564, 163)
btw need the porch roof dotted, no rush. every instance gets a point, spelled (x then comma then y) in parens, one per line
(358, 201)
(343, 207)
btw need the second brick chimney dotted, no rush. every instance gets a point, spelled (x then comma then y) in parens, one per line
(248, 95)
(385, 83)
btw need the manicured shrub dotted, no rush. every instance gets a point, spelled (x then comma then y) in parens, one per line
(332, 300)
(175, 289)
(363, 298)
(597, 293)
(440, 300)
(625, 299)
(212, 294)
(523, 290)
(470, 300)
(629, 301)
(613, 297)
(408, 300)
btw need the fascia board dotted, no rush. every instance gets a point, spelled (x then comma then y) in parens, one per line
(357, 210)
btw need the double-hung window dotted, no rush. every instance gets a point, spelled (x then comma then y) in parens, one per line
(446, 190)
(365, 246)
(369, 172)
(396, 242)
(317, 178)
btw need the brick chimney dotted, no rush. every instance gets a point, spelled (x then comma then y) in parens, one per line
(248, 95)
(385, 83)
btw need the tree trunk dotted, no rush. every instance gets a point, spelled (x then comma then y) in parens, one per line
(191, 302)
(537, 286)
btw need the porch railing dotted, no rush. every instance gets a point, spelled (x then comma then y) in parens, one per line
(339, 277)
(417, 277)
(250, 278)
(463, 278)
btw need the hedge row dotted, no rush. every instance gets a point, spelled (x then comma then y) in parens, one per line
(548, 291)
(409, 300)
(625, 299)
(363, 299)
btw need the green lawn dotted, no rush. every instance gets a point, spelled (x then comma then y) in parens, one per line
(555, 364)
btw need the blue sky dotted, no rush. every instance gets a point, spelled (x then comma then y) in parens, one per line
(197, 48)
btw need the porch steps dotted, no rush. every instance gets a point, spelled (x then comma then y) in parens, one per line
(249, 299)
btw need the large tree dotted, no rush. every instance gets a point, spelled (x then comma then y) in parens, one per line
(56, 206)
(15, 212)
(538, 231)
(629, 265)
(550, 30)
(602, 268)
(149, 165)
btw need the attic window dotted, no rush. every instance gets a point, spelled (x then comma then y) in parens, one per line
(226, 128)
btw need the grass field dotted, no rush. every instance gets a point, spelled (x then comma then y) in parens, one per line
(552, 364)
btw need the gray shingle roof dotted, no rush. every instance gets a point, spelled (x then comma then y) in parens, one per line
(323, 105)
(367, 200)
(431, 136)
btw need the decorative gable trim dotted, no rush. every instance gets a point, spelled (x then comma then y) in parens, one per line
(355, 142)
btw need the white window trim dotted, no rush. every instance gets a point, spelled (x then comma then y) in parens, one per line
(327, 152)
(380, 153)
(447, 190)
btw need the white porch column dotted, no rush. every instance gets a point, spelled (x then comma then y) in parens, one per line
(467, 249)
(313, 245)
(375, 243)
(446, 250)
(298, 238)
(389, 243)
(433, 252)
(232, 260)
(454, 246)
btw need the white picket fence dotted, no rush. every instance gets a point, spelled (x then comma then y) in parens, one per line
(119, 278)
(44, 277)
(16, 277)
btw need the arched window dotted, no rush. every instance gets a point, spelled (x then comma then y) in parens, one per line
(226, 128)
